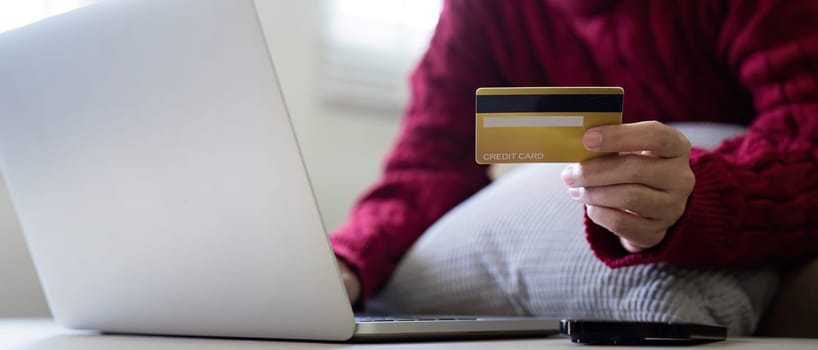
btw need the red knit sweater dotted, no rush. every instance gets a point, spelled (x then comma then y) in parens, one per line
(745, 62)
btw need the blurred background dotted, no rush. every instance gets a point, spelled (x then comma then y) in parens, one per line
(343, 67)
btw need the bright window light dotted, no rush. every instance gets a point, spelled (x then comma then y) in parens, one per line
(17, 13)
(384, 23)
(370, 48)
(419, 14)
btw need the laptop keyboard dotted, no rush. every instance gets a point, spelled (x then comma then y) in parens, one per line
(412, 318)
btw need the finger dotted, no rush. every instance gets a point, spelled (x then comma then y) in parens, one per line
(623, 169)
(641, 232)
(645, 201)
(631, 247)
(660, 139)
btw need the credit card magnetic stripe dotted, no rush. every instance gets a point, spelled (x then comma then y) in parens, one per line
(548, 103)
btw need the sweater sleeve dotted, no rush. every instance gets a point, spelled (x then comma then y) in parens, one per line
(431, 167)
(756, 196)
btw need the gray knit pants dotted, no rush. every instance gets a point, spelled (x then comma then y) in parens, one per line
(518, 248)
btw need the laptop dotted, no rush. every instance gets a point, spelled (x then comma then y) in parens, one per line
(151, 160)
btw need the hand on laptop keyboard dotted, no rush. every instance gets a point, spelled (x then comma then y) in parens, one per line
(353, 286)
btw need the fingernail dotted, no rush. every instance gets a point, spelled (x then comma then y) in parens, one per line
(576, 192)
(569, 174)
(592, 139)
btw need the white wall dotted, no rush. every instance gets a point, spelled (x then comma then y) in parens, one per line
(342, 149)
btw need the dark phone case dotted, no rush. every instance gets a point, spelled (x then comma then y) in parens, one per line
(642, 333)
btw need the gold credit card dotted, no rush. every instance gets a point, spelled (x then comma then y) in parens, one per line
(541, 124)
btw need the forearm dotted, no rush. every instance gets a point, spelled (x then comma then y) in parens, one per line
(755, 197)
(431, 167)
(392, 216)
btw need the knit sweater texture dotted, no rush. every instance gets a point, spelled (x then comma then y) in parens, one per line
(745, 62)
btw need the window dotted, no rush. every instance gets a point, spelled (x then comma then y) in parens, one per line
(370, 48)
(17, 13)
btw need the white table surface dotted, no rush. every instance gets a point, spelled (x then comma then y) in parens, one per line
(38, 334)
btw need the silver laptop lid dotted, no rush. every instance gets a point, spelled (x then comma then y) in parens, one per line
(151, 161)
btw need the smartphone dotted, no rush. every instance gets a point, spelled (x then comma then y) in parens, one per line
(640, 333)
